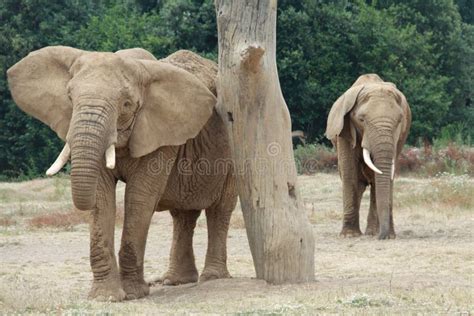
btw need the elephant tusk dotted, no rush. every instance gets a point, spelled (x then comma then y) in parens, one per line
(60, 161)
(110, 157)
(369, 162)
(393, 168)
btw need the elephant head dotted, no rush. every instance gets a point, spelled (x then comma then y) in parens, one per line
(98, 101)
(374, 117)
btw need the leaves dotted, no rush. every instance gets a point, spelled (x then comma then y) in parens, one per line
(425, 47)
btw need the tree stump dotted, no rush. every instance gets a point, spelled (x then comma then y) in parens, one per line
(259, 126)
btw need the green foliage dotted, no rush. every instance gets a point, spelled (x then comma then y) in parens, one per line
(456, 133)
(180, 24)
(190, 24)
(466, 9)
(425, 47)
(325, 46)
(452, 41)
(120, 27)
(27, 146)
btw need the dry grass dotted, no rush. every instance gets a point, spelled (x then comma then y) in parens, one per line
(426, 270)
(68, 220)
(59, 220)
(443, 194)
(237, 220)
(45, 204)
(7, 221)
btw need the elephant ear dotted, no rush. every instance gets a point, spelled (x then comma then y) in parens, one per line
(38, 84)
(338, 111)
(406, 122)
(176, 107)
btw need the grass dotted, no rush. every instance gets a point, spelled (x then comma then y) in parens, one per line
(6, 221)
(65, 221)
(444, 193)
(363, 300)
(237, 219)
(44, 204)
(44, 267)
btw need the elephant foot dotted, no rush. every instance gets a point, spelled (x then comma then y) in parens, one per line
(213, 274)
(135, 289)
(107, 291)
(350, 232)
(389, 235)
(371, 231)
(176, 278)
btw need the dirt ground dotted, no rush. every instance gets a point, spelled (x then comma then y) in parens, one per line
(428, 269)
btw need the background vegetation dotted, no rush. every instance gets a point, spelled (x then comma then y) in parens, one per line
(426, 47)
(427, 161)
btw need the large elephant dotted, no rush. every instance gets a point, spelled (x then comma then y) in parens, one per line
(369, 125)
(152, 124)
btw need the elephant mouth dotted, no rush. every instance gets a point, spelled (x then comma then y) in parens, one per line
(123, 134)
(127, 126)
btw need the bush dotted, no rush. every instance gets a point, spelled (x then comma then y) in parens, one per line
(431, 161)
(314, 158)
(427, 161)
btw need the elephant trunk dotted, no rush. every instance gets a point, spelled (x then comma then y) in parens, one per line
(89, 136)
(382, 151)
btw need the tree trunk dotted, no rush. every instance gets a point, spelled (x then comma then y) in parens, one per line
(259, 126)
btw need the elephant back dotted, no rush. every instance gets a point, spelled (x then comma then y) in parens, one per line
(204, 69)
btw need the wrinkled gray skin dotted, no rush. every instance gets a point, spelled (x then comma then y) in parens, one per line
(168, 178)
(374, 115)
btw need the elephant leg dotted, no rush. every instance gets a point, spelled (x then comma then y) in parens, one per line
(392, 228)
(352, 195)
(106, 285)
(372, 218)
(352, 188)
(218, 219)
(138, 215)
(142, 194)
(182, 268)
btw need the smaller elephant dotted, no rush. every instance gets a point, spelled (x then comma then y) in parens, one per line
(369, 125)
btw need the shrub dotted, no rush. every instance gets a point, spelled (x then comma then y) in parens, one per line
(427, 161)
(430, 161)
(314, 158)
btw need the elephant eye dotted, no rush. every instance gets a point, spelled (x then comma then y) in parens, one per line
(127, 104)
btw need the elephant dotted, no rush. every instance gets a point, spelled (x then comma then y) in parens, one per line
(369, 125)
(151, 124)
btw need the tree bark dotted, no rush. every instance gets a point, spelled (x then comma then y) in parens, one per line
(259, 126)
